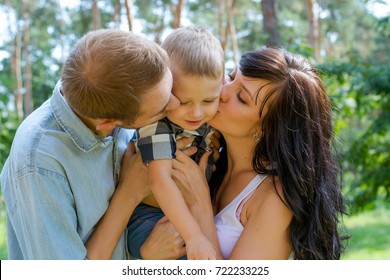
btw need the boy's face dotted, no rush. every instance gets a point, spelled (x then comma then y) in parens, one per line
(199, 100)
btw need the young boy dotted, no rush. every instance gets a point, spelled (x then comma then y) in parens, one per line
(197, 65)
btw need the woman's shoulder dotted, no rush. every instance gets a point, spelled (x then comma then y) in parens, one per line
(268, 201)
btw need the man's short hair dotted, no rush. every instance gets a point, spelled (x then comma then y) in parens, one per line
(108, 72)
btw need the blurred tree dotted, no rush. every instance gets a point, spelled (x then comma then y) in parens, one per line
(360, 89)
(177, 11)
(129, 13)
(155, 16)
(314, 36)
(15, 50)
(28, 95)
(270, 23)
(117, 13)
(95, 15)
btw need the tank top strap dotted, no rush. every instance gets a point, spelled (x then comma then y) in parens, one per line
(248, 191)
(253, 184)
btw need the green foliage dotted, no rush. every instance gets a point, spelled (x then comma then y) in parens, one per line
(3, 230)
(360, 92)
(8, 125)
(8, 117)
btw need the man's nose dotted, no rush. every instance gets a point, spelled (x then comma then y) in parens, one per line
(173, 103)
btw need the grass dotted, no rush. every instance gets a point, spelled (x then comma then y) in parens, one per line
(370, 238)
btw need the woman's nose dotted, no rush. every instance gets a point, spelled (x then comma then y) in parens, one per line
(224, 93)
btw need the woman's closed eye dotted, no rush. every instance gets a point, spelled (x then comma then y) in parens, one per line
(240, 99)
(230, 77)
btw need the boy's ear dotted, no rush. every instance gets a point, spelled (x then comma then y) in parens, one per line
(106, 125)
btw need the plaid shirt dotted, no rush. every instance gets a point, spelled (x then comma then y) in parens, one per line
(158, 141)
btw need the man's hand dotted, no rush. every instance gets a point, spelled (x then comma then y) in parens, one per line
(163, 243)
(134, 174)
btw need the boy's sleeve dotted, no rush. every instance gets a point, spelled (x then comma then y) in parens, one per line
(156, 141)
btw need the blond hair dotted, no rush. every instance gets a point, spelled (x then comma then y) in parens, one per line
(108, 72)
(195, 51)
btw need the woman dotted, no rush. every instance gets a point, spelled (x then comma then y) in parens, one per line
(276, 192)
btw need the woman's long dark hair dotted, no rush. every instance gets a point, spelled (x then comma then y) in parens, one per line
(297, 141)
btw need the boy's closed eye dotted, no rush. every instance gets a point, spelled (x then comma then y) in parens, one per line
(211, 100)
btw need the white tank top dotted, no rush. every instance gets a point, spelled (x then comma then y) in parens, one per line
(227, 221)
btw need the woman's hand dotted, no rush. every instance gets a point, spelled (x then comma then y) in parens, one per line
(190, 178)
(215, 145)
(164, 241)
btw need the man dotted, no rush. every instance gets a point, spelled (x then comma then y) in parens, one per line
(65, 161)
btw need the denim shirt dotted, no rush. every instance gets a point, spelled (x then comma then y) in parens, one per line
(57, 183)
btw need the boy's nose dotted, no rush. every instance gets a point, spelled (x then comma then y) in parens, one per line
(196, 111)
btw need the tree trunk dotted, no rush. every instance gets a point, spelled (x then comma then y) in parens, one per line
(313, 19)
(18, 75)
(227, 26)
(177, 14)
(15, 49)
(270, 23)
(28, 100)
(62, 33)
(129, 14)
(95, 15)
(117, 13)
(159, 30)
(232, 30)
(221, 23)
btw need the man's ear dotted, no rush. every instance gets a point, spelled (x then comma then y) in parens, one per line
(106, 125)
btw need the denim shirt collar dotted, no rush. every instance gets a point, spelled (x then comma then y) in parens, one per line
(84, 138)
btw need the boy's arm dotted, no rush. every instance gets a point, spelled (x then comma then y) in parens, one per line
(191, 180)
(175, 208)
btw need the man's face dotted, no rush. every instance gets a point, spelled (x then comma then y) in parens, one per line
(156, 103)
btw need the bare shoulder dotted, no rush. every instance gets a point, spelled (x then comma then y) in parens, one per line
(268, 201)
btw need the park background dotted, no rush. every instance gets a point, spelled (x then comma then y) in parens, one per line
(347, 40)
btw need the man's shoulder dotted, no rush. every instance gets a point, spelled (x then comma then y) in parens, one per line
(37, 137)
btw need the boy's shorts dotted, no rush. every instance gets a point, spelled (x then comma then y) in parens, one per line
(140, 226)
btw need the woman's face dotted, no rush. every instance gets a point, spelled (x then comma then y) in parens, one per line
(239, 107)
